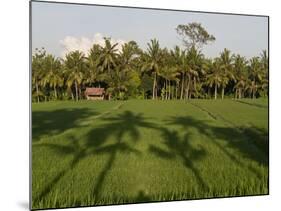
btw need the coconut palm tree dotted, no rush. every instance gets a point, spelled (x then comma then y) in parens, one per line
(108, 56)
(214, 76)
(152, 60)
(255, 75)
(37, 71)
(93, 73)
(240, 65)
(226, 69)
(53, 72)
(177, 57)
(194, 61)
(75, 67)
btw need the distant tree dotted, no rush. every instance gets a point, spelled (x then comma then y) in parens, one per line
(255, 75)
(53, 73)
(214, 77)
(194, 35)
(226, 69)
(195, 61)
(108, 56)
(37, 71)
(152, 60)
(75, 66)
(93, 73)
(240, 68)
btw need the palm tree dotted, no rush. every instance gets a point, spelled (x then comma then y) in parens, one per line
(264, 66)
(226, 69)
(108, 56)
(214, 76)
(240, 64)
(93, 73)
(129, 56)
(75, 67)
(252, 87)
(152, 60)
(179, 63)
(53, 71)
(37, 70)
(195, 62)
(256, 75)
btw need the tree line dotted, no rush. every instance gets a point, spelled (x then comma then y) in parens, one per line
(153, 73)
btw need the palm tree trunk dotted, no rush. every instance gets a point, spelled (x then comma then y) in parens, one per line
(194, 83)
(80, 97)
(37, 91)
(239, 93)
(222, 93)
(182, 85)
(166, 94)
(55, 90)
(216, 87)
(187, 88)
(72, 95)
(176, 91)
(169, 89)
(76, 90)
(154, 85)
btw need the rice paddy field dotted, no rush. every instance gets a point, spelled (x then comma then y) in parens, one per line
(114, 152)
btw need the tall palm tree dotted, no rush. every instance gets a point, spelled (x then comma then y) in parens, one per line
(53, 73)
(226, 69)
(152, 60)
(214, 76)
(195, 62)
(265, 70)
(108, 57)
(240, 65)
(37, 71)
(129, 56)
(255, 75)
(93, 73)
(75, 67)
(177, 56)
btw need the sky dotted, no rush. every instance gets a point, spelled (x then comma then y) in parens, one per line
(61, 28)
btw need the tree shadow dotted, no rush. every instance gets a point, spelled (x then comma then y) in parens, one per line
(252, 142)
(126, 123)
(97, 142)
(46, 123)
(180, 148)
(252, 104)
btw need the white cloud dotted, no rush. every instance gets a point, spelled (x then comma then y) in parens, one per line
(70, 43)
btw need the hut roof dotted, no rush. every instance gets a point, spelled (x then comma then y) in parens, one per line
(94, 91)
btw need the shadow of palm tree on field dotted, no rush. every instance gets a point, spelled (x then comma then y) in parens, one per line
(243, 139)
(97, 143)
(126, 123)
(180, 148)
(46, 123)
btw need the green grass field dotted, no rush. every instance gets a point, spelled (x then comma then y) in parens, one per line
(111, 152)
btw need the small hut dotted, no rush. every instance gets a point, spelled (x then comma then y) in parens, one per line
(94, 93)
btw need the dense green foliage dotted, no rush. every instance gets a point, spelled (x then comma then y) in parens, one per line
(90, 153)
(151, 73)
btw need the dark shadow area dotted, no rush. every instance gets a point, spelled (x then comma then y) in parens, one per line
(97, 143)
(180, 148)
(252, 142)
(251, 104)
(46, 123)
(119, 126)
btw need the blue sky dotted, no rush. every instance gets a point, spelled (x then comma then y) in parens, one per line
(63, 27)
